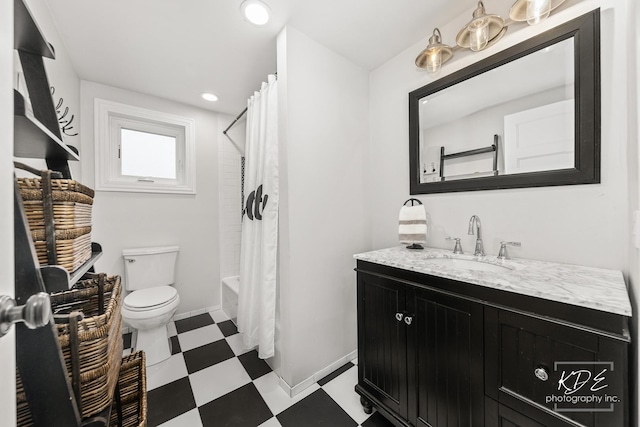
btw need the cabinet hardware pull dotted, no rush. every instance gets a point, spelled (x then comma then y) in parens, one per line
(408, 320)
(541, 374)
(399, 317)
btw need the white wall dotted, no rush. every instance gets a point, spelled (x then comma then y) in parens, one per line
(634, 187)
(323, 101)
(7, 343)
(130, 220)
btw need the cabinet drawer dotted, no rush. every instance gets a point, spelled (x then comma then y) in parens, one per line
(555, 373)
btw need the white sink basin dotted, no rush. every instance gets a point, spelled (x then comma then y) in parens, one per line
(468, 264)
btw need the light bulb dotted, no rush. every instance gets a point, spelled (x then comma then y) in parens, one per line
(209, 97)
(479, 34)
(255, 11)
(537, 11)
(434, 60)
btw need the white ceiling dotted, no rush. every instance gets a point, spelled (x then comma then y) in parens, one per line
(177, 49)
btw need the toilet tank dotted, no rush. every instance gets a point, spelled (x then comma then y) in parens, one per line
(149, 267)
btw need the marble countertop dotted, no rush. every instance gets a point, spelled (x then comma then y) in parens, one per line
(590, 287)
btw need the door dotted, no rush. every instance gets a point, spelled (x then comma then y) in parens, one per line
(382, 345)
(7, 343)
(445, 360)
(541, 138)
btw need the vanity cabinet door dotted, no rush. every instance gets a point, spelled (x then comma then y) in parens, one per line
(555, 373)
(382, 341)
(445, 360)
(502, 416)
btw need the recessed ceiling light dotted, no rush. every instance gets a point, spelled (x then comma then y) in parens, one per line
(255, 11)
(209, 97)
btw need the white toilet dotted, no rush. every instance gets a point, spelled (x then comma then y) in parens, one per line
(149, 274)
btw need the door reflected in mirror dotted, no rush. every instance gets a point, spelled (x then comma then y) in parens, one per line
(515, 118)
(528, 116)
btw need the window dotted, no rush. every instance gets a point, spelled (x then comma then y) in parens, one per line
(142, 150)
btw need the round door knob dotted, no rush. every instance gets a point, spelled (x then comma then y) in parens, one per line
(399, 317)
(541, 374)
(34, 314)
(408, 320)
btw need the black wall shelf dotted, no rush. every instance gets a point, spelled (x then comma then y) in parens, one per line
(33, 139)
(26, 33)
(37, 135)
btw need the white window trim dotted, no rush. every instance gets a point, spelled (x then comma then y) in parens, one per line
(107, 115)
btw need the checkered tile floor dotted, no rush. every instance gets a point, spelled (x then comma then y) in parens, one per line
(211, 381)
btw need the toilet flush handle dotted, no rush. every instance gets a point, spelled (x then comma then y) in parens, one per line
(131, 260)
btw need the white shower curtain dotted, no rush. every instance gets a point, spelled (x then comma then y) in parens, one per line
(259, 243)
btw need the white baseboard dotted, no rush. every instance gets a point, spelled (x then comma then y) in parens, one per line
(292, 391)
(196, 312)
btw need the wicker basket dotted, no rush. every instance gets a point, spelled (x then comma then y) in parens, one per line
(61, 227)
(92, 353)
(33, 185)
(99, 340)
(133, 392)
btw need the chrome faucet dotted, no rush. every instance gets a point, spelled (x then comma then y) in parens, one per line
(474, 221)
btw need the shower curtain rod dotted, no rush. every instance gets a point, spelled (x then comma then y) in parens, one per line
(224, 132)
(234, 122)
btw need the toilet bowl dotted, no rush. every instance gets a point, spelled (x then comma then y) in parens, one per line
(150, 306)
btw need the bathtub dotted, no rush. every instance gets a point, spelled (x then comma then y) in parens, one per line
(230, 286)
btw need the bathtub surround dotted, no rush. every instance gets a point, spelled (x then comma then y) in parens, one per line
(259, 246)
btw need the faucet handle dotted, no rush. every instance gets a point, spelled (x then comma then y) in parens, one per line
(502, 254)
(458, 248)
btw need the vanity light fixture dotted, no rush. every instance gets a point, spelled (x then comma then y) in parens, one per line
(533, 11)
(255, 11)
(482, 31)
(435, 54)
(209, 97)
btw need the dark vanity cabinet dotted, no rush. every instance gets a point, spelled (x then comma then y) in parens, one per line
(438, 352)
(420, 353)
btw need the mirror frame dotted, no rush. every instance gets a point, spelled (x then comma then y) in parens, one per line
(585, 31)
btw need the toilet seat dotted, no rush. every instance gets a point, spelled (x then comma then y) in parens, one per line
(150, 298)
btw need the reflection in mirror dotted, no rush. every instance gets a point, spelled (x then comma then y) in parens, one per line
(528, 116)
(515, 118)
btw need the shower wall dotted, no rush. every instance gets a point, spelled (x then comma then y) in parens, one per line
(231, 150)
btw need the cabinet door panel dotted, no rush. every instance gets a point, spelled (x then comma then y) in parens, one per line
(445, 360)
(502, 416)
(382, 341)
(578, 365)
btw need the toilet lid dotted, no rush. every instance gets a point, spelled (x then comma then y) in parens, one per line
(150, 297)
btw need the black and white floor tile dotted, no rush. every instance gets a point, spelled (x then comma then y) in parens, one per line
(211, 381)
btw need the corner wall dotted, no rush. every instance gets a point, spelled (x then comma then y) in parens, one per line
(323, 105)
(132, 220)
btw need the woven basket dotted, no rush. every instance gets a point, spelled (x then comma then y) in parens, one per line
(60, 225)
(133, 392)
(64, 185)
(67, 215)
(92, 354)
(99, 340)
(70, 254)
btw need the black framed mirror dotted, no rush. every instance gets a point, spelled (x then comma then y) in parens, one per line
(528, 116)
